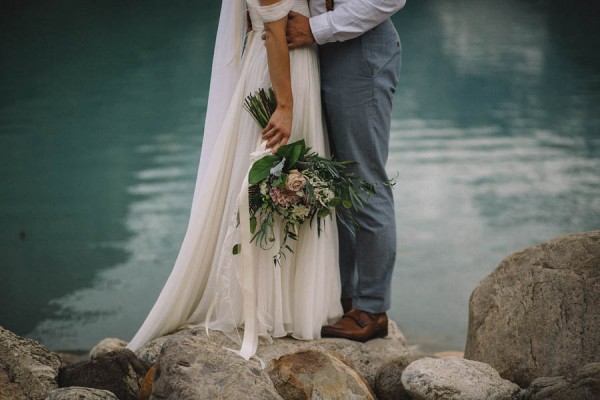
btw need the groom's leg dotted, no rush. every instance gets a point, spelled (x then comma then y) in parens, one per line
(359, 77)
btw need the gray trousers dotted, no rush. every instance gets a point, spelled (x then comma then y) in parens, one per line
(358, 81)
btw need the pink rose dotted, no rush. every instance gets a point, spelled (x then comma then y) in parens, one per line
(295, 181)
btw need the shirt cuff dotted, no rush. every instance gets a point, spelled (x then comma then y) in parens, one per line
(320, 25)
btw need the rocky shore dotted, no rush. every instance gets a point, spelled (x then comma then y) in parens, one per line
(534, 333)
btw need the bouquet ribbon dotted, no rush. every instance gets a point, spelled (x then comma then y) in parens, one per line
(247, 281)
(247, 278)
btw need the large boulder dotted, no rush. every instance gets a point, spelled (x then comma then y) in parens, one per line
(27, 369)
(388, 383)
(367, 358)
(582, 384)
(538, 313)
(456, 379)
(191, 367)
(81, 393)
(311, 375)
(119, 372)
(106, 346)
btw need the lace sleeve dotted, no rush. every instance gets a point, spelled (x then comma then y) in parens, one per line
(275, 12)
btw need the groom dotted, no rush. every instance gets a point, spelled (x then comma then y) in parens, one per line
(360, 57)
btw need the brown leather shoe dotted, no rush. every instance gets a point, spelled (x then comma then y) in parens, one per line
(359, 326)
(346, 304)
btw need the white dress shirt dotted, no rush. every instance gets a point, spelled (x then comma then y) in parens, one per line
(349, 18)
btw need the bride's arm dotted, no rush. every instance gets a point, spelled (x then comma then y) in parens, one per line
(279, 129)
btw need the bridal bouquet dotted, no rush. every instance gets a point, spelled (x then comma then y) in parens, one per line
(296, 185)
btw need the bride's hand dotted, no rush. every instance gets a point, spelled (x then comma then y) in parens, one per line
(278, 130)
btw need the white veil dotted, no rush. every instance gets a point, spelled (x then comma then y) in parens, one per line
(168, 313)
(224, 75)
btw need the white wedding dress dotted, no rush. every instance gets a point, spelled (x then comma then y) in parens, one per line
(210, 286)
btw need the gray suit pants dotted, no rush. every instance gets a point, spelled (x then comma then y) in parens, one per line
(358, 81)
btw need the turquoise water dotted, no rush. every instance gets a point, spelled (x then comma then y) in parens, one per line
(495, 140)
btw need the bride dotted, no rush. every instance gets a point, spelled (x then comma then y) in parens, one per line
(210, 286)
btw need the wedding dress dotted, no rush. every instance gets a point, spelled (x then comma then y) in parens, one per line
(210, 286)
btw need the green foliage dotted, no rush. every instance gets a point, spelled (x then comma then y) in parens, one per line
(261, 169)
(292, 153)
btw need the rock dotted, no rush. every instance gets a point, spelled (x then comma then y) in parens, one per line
(119, 372)
(395, 334)
(107, 345)
(149, 353)
(192, 367)
(71, 357)
(311, 374)
(538, 313)
(366, 358)
(388, 385)
(26, 367)
(583, 384)
(146, 386)
(81, 393)
(449, 353)
(8, 389)
(456, 379)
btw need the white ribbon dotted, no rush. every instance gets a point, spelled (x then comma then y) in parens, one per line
(247, 281)
(278, 328)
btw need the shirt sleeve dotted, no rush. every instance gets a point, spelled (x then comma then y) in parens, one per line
(352, 19)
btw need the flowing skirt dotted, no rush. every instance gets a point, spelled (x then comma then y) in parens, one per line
(295, 298)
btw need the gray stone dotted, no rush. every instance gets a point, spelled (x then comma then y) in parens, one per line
(106, 346)
(119, 372)
(538, 313)
(150, 351)
(314, 375)
(366, 358)
(26, 367)
(395, 334)
(10, 390)
(583, 384)
(456, 379)
(192, 367)
(388, 384)
(81, 393)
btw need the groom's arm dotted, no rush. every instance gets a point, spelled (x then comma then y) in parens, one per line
(346, 21)
(351, 19)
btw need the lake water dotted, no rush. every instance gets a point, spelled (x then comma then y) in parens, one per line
(495, 140)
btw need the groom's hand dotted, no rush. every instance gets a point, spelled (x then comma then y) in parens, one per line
(298, 31)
